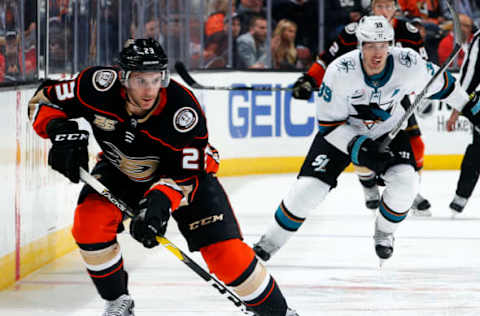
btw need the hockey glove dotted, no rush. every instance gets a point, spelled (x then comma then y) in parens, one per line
(303, 87)
(152, 219)
(69, 149)
(471, 110)
(365, 152)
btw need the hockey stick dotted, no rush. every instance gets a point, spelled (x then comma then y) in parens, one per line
(419, 97)
(102, 190)
(183, 73)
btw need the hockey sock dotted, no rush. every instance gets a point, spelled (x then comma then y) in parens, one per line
(259, 291)
(105, 266)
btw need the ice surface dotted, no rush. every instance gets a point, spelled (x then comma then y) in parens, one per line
(328, 268)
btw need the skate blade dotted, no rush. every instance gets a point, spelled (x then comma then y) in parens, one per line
(454, 214)
(381, 262)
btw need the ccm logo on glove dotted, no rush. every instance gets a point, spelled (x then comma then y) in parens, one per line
(72, 136)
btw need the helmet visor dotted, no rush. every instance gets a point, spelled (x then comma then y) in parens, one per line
(148, 79)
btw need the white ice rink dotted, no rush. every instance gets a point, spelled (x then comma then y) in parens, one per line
(328, 268)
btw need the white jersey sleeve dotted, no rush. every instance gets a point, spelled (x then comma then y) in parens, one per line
(444, 88)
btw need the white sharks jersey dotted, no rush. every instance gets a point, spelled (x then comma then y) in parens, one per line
(350, 103)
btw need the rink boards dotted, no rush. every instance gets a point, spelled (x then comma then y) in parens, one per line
(256, 132)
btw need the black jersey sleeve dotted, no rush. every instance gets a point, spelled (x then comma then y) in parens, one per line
(344, 43)
(407, 35)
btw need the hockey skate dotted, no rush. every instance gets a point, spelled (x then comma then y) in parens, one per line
(264, 249)
(122, 306)
(372, 197)
(383, 244)
(457, 204)
(421, 207)
(291, 312)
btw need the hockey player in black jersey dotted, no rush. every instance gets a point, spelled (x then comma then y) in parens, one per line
(156, 156)
(406, 35)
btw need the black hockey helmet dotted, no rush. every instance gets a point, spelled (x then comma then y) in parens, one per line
(145, 54)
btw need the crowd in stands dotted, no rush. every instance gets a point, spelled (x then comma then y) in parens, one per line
(208, 34)
(295, 23)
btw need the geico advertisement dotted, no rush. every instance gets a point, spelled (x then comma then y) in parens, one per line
(245, 123)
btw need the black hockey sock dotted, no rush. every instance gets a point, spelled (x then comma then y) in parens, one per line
(111, 283)
(270, 303)
(368, 182)
(107, 272)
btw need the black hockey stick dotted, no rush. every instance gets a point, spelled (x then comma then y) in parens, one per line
(419, 97)
(183, 73)
(102, 190)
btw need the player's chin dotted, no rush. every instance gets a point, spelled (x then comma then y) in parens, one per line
(147, 104)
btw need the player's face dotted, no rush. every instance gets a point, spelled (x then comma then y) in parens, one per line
(384, 7)
(143, 89)
(374, 57)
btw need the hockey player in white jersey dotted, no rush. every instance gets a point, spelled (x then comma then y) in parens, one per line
(357, 105)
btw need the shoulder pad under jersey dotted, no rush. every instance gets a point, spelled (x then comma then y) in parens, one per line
(96, 84)
(411, 28)
(351, 28)
(185, 114)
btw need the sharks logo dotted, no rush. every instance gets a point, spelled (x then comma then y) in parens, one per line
(139, 169)
(346, 65)
(370, 114)
(408, 59)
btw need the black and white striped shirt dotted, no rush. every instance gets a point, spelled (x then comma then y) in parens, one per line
(470, 71)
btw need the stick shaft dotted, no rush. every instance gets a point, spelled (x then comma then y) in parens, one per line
(420, 96)
(170, 246)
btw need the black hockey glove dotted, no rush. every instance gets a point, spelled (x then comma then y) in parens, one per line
(303, 87)
(152, 218)
(365, 152)
(69, 149)
(471, 110)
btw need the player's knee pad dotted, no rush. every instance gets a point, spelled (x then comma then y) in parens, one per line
(96, 220)
(101, 257)
(401, 188)
(418, 149)
(228, 259)
(306, 194)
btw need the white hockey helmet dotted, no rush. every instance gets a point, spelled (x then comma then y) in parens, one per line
(374, 29)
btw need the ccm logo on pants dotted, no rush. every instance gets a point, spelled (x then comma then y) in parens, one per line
(206, 221)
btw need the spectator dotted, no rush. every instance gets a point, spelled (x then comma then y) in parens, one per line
(251, 46)
(284, 54)
(446, 44)
(246, 10)
(12, 56)
(218, 11)
(59, 48)
(304, 14)
(152, 29)
(304, 58)
(216, 48)
(428, 10)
